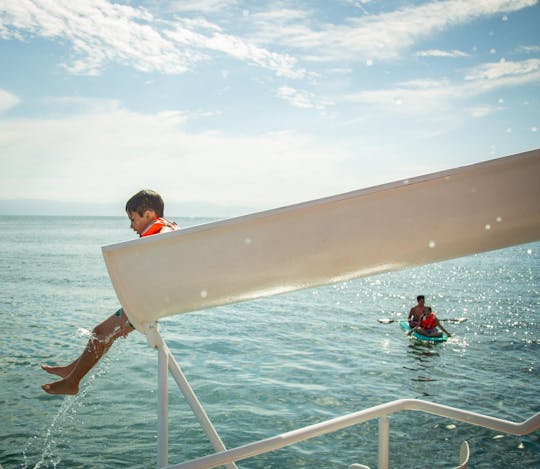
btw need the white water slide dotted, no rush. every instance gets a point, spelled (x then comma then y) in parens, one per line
(403, 224)
(426, 219)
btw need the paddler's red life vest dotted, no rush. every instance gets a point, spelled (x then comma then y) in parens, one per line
(159, 225)
(429, 321)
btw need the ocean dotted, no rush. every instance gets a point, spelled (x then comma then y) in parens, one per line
(266, 366)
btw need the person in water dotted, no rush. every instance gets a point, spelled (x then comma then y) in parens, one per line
(145, 212)
(429, 325)
(416, 312)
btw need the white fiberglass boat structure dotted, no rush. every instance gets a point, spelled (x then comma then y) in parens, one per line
(476, 208)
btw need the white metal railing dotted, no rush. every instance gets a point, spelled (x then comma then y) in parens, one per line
(167, 362)
(381, 412)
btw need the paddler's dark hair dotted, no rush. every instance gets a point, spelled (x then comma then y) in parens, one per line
(145, 200)
(420, 297)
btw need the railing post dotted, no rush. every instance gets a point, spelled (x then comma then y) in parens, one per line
(384, 442)
(166, 363)
(163, 408)
(151, 331)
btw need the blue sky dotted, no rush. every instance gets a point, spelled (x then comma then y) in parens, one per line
(257, 104)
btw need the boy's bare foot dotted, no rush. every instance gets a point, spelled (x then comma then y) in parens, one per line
(61, 371)
(60, 387)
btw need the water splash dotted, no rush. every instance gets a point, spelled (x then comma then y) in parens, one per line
(48, 456)
(82, 332)
(43, 447)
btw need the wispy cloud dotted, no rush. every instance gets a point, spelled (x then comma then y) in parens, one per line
(482, 111)
(442, 53)
(101, 32)
(7, 100)
(374, 37)
(423, 96)
(234, 46)
(201, 6)
(505, 70)
(529, 49)
(303, 99)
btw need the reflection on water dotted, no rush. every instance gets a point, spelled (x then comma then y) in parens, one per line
(423, 358)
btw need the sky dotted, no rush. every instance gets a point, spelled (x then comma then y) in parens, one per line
(232, 106)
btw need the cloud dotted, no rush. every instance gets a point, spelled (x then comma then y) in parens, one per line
(233, 46)
(503, 70)
(302, 99)
(103, 155)
(425, 96)
(101, 32)
(441, 53)
(202, 6)
(374, 37)
(528, 49)
(481, 111)
(7, 100)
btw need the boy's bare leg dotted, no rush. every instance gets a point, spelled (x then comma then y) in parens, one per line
(101, 340)
(61, 371)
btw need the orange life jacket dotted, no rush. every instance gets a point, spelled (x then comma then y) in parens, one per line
(158, 226)
(429, 321)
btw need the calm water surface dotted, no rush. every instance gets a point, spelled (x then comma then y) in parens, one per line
(268, 366)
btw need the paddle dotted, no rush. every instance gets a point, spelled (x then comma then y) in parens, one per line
(454, 320)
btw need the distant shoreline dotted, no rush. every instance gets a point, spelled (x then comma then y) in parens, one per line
(34, 207)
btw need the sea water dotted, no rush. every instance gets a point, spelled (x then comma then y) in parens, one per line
(268, 366)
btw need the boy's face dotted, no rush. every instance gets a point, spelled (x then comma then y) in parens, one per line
(139, 223)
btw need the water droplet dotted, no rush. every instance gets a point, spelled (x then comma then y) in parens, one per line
(488, 226)
(204, 293)
(431, 244)
(82, 332)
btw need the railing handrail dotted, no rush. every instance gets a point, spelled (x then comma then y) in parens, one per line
(286, 439)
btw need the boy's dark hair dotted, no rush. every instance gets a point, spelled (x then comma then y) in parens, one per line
(145, 200)
(420, 297)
